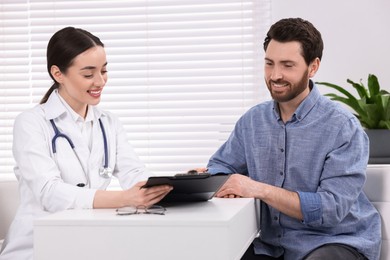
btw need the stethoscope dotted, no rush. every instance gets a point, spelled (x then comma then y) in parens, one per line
(104, 171)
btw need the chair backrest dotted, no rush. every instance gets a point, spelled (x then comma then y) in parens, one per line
(377, 189)
(9, 202)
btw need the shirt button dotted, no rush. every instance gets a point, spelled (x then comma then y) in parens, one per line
(281, 173)
(275, 218)
(282, 150)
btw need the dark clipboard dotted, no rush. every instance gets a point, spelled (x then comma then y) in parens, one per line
(189, 187)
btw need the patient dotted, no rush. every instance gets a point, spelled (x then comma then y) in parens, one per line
(304, 156)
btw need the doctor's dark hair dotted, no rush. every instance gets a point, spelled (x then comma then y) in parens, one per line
(302, 31)
(63, 47)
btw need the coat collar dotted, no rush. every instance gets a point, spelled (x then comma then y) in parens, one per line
(54, 108)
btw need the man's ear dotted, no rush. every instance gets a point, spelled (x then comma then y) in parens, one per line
(313, 67)
(57, 74)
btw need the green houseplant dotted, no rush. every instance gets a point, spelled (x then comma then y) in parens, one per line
(372, 108)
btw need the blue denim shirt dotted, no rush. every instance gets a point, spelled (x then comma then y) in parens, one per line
(321, 153)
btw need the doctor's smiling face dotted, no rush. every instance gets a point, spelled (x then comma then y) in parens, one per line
(84, 79)
(76, 61)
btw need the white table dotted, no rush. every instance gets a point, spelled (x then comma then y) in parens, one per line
(217, 229)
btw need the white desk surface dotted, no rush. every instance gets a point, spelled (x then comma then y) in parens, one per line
(217, 229)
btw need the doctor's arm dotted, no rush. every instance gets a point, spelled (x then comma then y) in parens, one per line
(37, 170)
(130, 172)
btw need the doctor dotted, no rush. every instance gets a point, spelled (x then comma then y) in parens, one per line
(66, 149)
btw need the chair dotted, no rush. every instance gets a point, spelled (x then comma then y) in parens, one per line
(9, 202)
(377, 189)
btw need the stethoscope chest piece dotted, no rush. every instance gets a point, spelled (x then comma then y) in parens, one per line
(105, 172)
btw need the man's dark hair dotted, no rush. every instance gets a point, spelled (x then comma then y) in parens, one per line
(302, 31)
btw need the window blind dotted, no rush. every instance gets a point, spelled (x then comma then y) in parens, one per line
(180, 72)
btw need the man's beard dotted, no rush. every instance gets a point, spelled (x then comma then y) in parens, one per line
(293, 90)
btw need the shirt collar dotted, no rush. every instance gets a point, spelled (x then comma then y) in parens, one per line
(306, 105)
(76, 117)
(57, 106)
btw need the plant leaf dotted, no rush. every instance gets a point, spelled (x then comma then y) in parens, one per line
(373, 85)
(383, 104)
(386, 104)
(373, 107)
(384, 124)
(350, 101)
(373, 115)
(347, 101)
(362, 91)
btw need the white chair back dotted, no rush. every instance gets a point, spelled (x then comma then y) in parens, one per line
(9, 202)
(377, 189)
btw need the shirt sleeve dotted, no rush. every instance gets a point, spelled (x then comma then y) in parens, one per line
(230, 157)
(128, 167)
(342, 178)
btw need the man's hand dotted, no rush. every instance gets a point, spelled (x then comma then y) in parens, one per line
(238, 186)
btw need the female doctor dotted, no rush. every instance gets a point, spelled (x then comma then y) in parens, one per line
(66, 149)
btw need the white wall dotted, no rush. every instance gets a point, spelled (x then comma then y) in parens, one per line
(356, 36)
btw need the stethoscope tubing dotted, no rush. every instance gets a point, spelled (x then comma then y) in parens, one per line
(105, 144)
(58, 134)
(105, 171)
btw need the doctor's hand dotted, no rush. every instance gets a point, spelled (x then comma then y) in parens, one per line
(138, 196)
(238, 186)
(135, 196)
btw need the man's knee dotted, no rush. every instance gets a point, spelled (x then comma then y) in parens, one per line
(334, 252)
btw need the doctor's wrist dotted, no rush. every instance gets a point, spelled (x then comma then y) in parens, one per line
(109, 199)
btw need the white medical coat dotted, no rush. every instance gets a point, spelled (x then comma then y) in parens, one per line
(48, 184)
